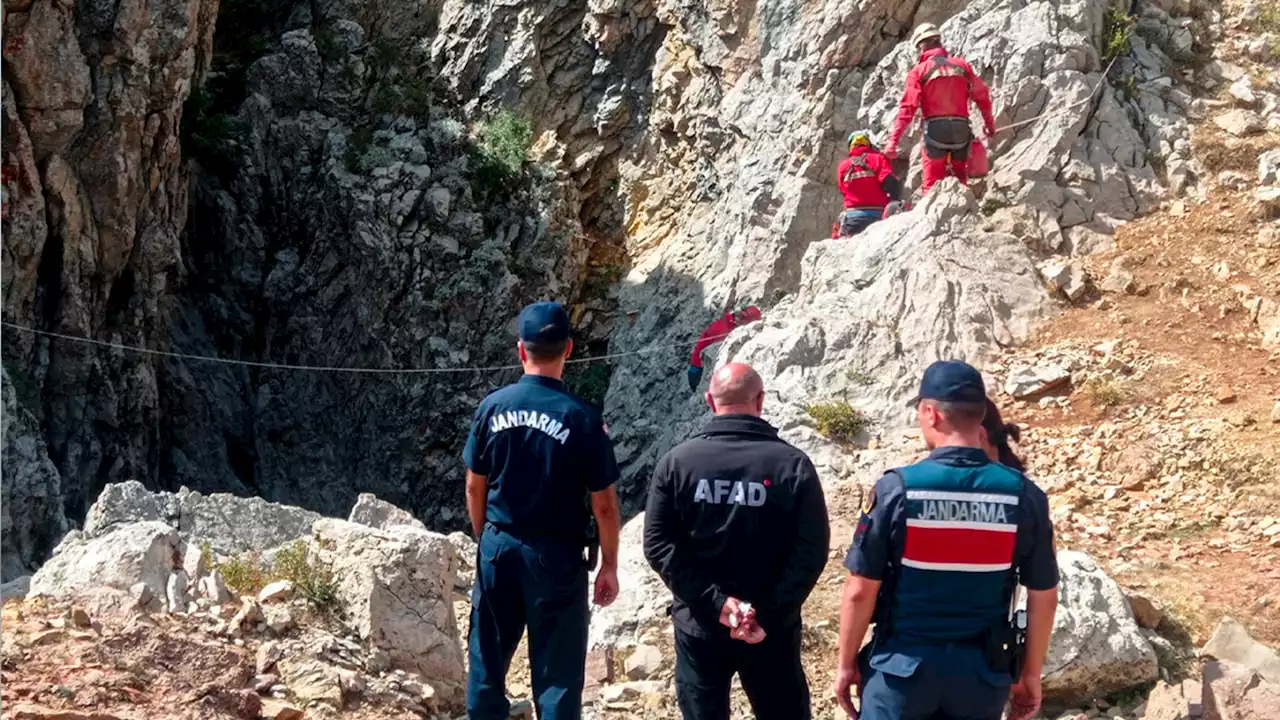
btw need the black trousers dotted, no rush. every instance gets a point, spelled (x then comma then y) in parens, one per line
(770, 671)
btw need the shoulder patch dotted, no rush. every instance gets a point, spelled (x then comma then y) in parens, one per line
(868, 501)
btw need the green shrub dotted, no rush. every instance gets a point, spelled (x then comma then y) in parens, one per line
(311, 576)
(1116, 26)
(245, 573)
(375, 157)
(838, 420)
(504, 145)
(857, 377)
(1107, 392)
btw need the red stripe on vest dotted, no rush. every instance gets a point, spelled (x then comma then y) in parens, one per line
(962, 546)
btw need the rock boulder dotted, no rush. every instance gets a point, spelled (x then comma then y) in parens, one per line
(375, 513)
(137, 553)
(1097, 648)
(229, 524)
(396, 591)
(642, 597)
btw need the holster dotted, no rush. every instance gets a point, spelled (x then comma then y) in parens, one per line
(1003, 645)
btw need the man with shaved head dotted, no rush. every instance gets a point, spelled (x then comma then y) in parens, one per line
(736, 525)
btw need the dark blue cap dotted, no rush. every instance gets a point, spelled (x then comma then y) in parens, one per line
(951, 381)
(543, 322)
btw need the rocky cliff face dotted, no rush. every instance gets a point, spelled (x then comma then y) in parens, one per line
(341, 216)
(95, 198)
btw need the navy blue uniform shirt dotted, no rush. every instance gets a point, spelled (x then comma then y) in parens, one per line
(879, 541)
(542, 449)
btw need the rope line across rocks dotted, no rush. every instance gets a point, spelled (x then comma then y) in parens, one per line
(336, 368)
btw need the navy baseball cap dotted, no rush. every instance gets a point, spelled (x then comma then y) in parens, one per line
(951, 381)
(543, 322)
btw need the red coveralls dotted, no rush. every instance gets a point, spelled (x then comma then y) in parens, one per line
(860, 181)
(719, 330)
(941, 86)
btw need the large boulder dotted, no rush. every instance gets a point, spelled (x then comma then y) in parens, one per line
(1097, 648)
(380, 514)
(227, 523)
(642, 597)
(396, 590)
(142, 552)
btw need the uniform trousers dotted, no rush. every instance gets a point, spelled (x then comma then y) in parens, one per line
(770, 672)
(542, 585)
(931, 682)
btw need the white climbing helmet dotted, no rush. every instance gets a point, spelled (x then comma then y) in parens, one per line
(924, 32)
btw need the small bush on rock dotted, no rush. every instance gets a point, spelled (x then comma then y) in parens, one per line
(1115, 34)
(246, 573)
(311, 576)
(1107, 392)
(838, 420)
(504, 144)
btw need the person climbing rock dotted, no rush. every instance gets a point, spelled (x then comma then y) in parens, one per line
(867, 182)
(736, 526)
(534, 452)
(941, 86)
(715, 332)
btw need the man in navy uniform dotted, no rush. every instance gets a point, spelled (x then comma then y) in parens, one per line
(935, 559)
(736, 525)
(534, 453)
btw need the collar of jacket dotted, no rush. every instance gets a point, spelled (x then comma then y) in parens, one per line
(857, 150)
(960, 456)
(738, 424)
(932, 52)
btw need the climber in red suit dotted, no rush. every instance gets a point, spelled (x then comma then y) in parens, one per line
(716, 332)
(941, 86)
(868, 184)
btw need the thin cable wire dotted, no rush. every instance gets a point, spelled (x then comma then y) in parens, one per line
(1059, 111)
(335, 368)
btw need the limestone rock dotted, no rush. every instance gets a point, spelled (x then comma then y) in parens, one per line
(1239, 122)
(18, 587)
(176, 591)
(1269, 167)
(31, 519)
(1096, 648)
(465, 554)
(920, 286)
(1231, 642)
(228, 524)
(1066, 276)
(375, 513)
(279, 617)
(1028, 382)
(1237, 692)
(1269, 199)
(141, 552)
(213, 588)
(396, 591)
(311, 680)
(1233, 180)
(1174, 702)
(269, 653)
(1242, 91)
(644, 662)
(275, 591)
(1146, 612)
(642, 597)
(274, 709)
(1120, 280)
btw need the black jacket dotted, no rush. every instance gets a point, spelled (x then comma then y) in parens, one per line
(736, 512)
